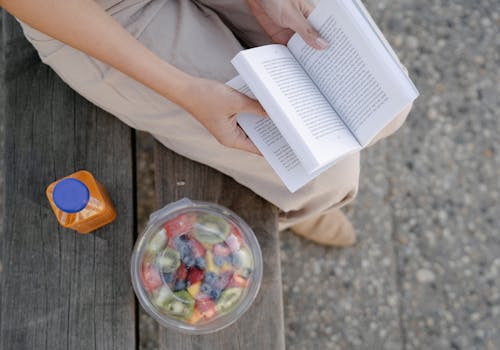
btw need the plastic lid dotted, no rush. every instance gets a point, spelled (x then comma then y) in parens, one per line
(71, 195)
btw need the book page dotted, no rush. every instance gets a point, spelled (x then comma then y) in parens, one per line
(356, 73)
(273, 146)
(304, 117)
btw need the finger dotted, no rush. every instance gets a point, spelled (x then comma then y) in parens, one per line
(254, 107)
(243, 142)
(307, 32)
(282, 36)
(306, 8)
(250, 147)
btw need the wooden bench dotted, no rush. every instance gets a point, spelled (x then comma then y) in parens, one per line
(62, 290)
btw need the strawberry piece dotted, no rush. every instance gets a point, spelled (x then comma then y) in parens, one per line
(197, 248)
(206, 307)
(203, 302)
(236, 231)
(195, 275)
(150, 278)
(196, 317)
(180, 224)
(221, 249)
(237, 281)
(182, 273)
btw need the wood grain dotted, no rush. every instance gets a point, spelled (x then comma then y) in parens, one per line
(261, 327)
(60, 289)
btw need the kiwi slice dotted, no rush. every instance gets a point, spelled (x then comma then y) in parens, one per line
(245, 258)
(169, 260)
(211, 229)
(229, 299)
(181, 305)
(158, 241)
(161, 296)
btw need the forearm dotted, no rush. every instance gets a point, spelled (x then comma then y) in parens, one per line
(84, 25)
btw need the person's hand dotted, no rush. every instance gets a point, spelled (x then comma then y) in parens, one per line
(216, 105)
(281, 18)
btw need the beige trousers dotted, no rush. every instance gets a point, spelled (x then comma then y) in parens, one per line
(200, 37)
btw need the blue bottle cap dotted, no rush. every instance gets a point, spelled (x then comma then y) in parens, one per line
(71, 195)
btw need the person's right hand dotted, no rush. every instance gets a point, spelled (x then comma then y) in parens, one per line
(216, 105)
(281, 18)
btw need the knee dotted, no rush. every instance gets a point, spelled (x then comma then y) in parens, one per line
(393, 126)
(337, 186)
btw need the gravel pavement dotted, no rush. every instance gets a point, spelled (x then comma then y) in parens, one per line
(425, 273)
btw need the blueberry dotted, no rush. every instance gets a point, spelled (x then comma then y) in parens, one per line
(205, 288)
(210, 277)
(168, 277)
(201, 263)
(235, 260)
(215, 294)
(189, 261)
(218, 260)
(179, 285)
(179, 245)
(184, 250)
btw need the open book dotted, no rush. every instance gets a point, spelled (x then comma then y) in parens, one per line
(323, 105)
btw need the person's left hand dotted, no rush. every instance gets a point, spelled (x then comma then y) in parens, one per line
(281, 18)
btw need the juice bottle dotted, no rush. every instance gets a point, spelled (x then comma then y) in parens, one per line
(80, 202)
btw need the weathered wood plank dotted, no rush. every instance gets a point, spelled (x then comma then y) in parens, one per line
(59, 289)
(17, 52)
(262, 326)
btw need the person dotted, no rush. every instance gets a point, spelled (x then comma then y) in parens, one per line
(160, 66)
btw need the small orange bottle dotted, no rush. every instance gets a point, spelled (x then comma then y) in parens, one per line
(80, 202)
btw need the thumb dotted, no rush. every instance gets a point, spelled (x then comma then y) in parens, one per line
(308, 33)
(254, 107)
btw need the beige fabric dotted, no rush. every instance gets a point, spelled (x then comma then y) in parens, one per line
(195, 37)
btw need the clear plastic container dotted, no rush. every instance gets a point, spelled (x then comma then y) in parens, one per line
(197, 267)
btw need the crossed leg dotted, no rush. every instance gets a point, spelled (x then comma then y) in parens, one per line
(199, 37)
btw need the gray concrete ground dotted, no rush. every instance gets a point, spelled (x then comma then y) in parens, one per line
(426, 271)
(425, 274)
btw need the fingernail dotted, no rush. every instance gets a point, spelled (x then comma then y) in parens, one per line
(322, 43)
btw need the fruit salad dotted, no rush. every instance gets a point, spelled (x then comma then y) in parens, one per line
(196, 267)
